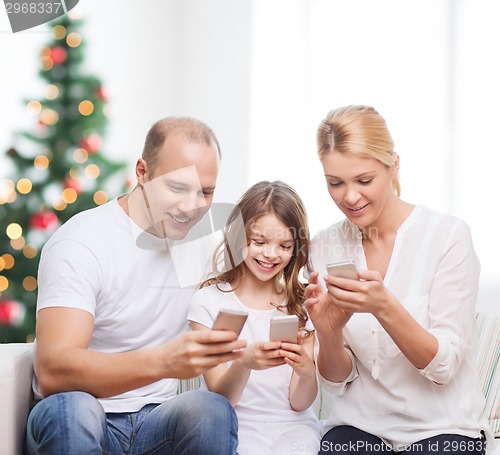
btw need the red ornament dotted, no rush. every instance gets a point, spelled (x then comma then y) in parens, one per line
(58, 55)
(73, 184)
(101, 93)
(91, 143)
(44, 220)
(11, 312)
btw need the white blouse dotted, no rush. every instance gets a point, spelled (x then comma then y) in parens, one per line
(434, 273)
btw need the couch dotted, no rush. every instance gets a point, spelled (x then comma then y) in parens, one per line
(16, 372)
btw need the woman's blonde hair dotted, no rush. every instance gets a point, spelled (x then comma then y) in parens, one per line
(358, 131)
(261, 199)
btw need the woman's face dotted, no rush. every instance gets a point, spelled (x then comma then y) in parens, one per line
(360, 187)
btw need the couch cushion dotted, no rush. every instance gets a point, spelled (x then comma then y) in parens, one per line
(488, 368)
(16, 371)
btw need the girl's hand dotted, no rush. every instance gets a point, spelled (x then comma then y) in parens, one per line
(367, 295)
(262, 355)
(325, 316)
(296, 356)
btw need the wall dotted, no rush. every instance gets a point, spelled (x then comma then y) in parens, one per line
(263, 74)
(156, 58)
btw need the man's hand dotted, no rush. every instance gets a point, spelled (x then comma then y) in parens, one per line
(192, 353)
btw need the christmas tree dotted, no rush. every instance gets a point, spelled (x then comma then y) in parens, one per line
(59, 168)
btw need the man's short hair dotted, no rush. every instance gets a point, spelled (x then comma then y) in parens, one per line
(192, 129)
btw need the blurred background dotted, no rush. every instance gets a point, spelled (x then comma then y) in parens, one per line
(262, 74)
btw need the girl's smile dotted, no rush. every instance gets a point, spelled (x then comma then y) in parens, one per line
(270, 247)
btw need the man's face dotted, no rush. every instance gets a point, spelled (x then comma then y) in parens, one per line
(181, 188)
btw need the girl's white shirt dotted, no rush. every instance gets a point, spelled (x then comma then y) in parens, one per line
(264, 404)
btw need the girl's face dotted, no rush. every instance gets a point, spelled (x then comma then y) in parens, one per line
(360, 187)
(270, 247)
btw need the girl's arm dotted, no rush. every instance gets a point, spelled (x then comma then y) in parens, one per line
(303, 385)
(230, 380)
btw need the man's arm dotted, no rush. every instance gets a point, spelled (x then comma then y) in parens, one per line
(64, 362)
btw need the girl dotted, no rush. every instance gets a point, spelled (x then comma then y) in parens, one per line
(273, 385)
(396, 343)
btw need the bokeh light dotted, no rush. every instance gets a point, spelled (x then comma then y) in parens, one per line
(47, 63)
(101, 197)
(59, 32)
(49, 117)
(92, 171)
(59, 205)
(86, 107)
(41, 162)
(8, 261)
(69, 195)
(30, 251)
(29, 283)
(73, 39)
(80, 155)
(24, 185)
(75, 171)
(4, 283)
(51, 92)
(6, 191)
(14, 231)
(18, 244)
(34, 107)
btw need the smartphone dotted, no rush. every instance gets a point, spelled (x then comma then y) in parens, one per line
(230, 320)
(343, 269)
(284, 328)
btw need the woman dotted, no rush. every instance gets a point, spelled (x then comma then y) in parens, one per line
(395, 344)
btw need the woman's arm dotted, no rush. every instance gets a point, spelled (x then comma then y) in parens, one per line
(371, 296)
(334, 364)
(436, 350)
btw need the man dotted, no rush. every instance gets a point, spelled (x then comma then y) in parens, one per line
(111, 337)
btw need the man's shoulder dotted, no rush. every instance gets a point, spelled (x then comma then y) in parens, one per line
(89, 225)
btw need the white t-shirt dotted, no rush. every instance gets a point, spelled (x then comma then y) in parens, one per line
(264, 405)
(434, 273)
(103, 263)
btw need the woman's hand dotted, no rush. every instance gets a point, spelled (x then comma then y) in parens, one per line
(325, 315)
(366, 295)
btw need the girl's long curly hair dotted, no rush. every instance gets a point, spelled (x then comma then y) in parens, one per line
(261, 199)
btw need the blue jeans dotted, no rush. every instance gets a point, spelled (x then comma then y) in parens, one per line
(72, 423)
(344, 440)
